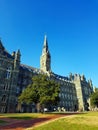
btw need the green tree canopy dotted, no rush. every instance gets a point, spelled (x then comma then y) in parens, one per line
(94, 99)
(42, 90)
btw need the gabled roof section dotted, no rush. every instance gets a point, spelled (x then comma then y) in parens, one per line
(1, 45)
(4, 52)
(31, 69)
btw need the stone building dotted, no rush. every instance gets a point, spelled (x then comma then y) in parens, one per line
(9, 71)
(14, 78)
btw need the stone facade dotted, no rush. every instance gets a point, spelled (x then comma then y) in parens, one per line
(9, 70)
(14, 78)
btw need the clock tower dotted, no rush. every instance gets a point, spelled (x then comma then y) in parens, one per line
(45, 59)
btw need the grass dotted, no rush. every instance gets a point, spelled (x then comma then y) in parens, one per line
(87, 121)
(24, 116)
(19, 116)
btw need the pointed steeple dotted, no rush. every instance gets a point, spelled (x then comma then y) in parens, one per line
(45, 61)
(45, 47)
(18, 55)
(18, 52)
(45, 41)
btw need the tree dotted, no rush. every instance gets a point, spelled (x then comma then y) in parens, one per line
(41, 91)
(94, 99)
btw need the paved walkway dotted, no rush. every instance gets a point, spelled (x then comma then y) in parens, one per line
(14, 124)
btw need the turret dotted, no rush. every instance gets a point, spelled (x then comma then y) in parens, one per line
(90, 83)
(13, 54)
(78, 86)
(17, 56)
(83, 77)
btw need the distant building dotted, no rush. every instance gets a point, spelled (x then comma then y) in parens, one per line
(14, 78)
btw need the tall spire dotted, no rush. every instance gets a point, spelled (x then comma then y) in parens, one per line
(45, 60)
(45, 41)
(45, 47)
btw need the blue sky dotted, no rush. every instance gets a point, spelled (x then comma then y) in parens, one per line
(71, 27)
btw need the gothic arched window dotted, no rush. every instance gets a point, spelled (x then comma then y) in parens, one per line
(8, 72)
(6, 87)
(4, 98)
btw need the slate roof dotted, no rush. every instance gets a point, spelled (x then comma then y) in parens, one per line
(31, 69)
(5, 52)
(38, 71)
(60, 77)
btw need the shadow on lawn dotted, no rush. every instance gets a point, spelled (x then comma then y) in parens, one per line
(23, 118)
(22, 124)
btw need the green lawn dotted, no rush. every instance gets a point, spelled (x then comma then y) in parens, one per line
(21, 115)
(87, 121)
(83, 121)
(25, 116)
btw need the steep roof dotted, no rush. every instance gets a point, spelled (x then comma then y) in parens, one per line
(4, 52)
(39, 71)
(1, 45)
(31, 69)
(60, 77)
